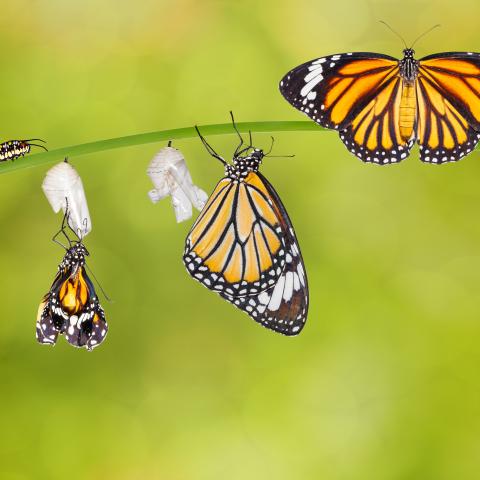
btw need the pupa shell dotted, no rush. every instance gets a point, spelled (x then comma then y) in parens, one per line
(63, 187)
(169, 174)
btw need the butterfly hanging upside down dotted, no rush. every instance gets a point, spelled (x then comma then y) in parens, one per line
(71, 306)
(243, 246)
(381, 105)
(13, 149)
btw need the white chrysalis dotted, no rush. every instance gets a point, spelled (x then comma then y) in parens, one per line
(170, 176)
(63, 187)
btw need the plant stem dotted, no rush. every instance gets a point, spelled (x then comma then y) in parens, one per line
(59, 154)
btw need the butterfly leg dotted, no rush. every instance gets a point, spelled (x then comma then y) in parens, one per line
(247, 148)
(208, 147)
(237, 150)
(63, 228)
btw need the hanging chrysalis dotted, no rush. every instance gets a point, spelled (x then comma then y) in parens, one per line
(170, 176)
(63, 186)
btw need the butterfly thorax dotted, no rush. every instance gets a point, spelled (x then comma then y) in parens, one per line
(242, 165)
(74, 258)
(408, 66)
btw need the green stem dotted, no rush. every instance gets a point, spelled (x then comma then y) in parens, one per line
(59, 154)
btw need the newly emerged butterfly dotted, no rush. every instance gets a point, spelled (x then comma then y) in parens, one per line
(381, 106)
(243, 246)
(71, 306)
(13, 149)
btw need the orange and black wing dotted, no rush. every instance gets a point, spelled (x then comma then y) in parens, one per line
(71, 308)
(241, 247)
(237, 244)
(359, 95)
(49, 318)
(283, 307)
(448, 104)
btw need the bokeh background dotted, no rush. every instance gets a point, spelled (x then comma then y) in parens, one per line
(383, 383)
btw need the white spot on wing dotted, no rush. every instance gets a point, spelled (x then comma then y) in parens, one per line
(277, 294)
(288, 291)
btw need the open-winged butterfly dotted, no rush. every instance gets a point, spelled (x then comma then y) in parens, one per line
(381, 106)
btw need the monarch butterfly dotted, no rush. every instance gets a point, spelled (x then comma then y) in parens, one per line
(381, 106)
(243, 245)
(71, 306)
(13, 149)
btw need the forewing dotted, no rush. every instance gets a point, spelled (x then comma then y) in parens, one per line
(46, 331)
(50, 318)
(283, 307)
(333, 90)
(448, 97)
(236, 246)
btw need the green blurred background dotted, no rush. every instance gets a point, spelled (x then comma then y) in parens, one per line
(383, 383)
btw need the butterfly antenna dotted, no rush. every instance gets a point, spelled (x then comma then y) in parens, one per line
(209, 148)
(248, 147)
(98, 283)
(271, 146)
(40, 146)
(424, 33)
(395, 32)
(34, 140)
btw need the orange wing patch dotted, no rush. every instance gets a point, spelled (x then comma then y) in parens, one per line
(452, 65)
(213, 205)
(342, 105)
(237, 242)
(449, 108)
(73, 294)
(381, 132)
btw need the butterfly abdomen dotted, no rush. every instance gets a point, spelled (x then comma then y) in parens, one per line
(408, 106)
(13, 149)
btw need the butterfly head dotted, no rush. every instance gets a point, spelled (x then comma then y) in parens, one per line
(408, 53)
(242, 165)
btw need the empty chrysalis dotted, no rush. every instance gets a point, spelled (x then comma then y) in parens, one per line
(170, 176)
(64, 189)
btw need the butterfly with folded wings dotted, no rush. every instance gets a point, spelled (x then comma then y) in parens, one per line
(243, 246)
(71, 306)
